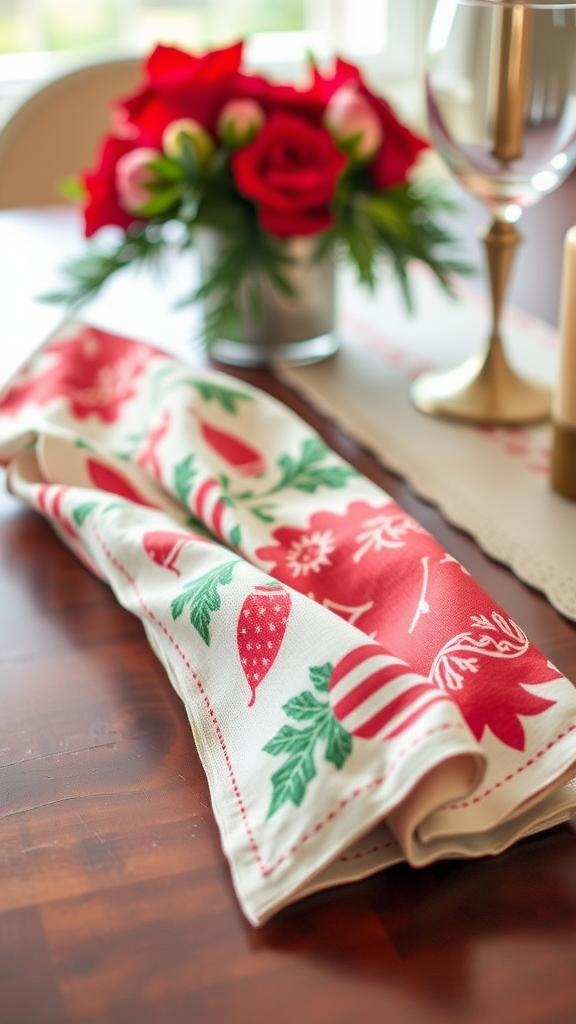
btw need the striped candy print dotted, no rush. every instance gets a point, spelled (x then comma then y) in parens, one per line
(376, 696)
(212, 510)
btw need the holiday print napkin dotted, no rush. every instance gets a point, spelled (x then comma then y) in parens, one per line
(356, 698)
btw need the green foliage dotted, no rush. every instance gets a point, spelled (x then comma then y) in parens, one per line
(308, 473)
(227, 397)
(184, 476)
(202, 597)
(317, 727)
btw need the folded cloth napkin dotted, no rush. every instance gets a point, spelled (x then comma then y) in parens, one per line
(355, 696)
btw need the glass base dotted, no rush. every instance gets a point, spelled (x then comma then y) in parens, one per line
(297, 353)
(482, 390)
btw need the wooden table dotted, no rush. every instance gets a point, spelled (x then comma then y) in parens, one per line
(115, 900)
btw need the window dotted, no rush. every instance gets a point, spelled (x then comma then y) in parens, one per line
(40, 37)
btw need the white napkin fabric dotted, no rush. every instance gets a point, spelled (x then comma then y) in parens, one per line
(356, 698)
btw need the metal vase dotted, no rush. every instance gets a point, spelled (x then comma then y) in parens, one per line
(298, 329)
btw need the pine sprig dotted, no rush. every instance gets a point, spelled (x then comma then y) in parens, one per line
(407, 222)
(233, 291)
(87, 274)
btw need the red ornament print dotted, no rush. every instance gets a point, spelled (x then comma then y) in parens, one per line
(379, 569)
(108, 479)
(95, 372)
(164, 546)
(260, 632)
(210, 507)
(232, 449)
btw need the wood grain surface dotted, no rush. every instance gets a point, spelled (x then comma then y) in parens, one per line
(115, 899)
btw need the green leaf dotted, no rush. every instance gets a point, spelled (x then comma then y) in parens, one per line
(81, 513)
(338, 742)
(195, 524)
(161, 202)
(72, 189)
(228, 398)
(167, 168)
(331, 477)
(304, 707)
(202, 597)
(184, 476)
(290, 782)
(236, 536)
(261, 512)
(288, 740)
(303, 474)
(320, 677)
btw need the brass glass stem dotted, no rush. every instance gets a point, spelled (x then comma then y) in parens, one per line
(486, 389)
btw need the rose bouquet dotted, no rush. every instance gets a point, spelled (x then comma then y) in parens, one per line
(205, 144)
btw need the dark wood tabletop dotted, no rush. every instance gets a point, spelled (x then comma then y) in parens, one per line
(116, 903)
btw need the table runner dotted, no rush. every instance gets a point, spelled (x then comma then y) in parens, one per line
(492, 482)
(355, 697)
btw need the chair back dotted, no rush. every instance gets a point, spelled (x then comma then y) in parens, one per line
(54, 133)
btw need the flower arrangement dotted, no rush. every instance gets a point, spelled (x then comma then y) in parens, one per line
(203, 143)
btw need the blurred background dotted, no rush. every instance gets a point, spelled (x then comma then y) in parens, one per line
(386, 38)
(39, 38)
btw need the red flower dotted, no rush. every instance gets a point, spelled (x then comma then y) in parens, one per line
(180, 84)
(102, 207)
(379, 569)
(95, 372)
(290, 170)
(400, 146)
(399, 149)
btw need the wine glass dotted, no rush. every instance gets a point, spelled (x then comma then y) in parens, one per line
(501, 99)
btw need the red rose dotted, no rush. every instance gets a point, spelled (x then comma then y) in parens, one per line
(323, 88)
(399, 149)
(102, 207)
(290, 170)
(276, 97)
(179, 84)
(400, 146)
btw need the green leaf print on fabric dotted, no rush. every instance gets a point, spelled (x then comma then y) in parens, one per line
(299, 744)
(307, 474)
(81, 512)
(184, 476)
(228, 398)
(202, 597)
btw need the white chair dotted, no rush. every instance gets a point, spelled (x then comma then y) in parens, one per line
(55, 131)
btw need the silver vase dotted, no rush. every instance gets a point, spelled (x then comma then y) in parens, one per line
(298, 329)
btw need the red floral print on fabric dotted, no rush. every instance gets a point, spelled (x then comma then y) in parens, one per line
(95, 372)
(423, 607)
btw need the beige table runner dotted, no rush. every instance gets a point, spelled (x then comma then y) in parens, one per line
(491, 482)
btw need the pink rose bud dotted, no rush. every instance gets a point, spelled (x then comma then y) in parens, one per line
(353, 122)
(133, 178)
(239, 121)
(186, 128)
